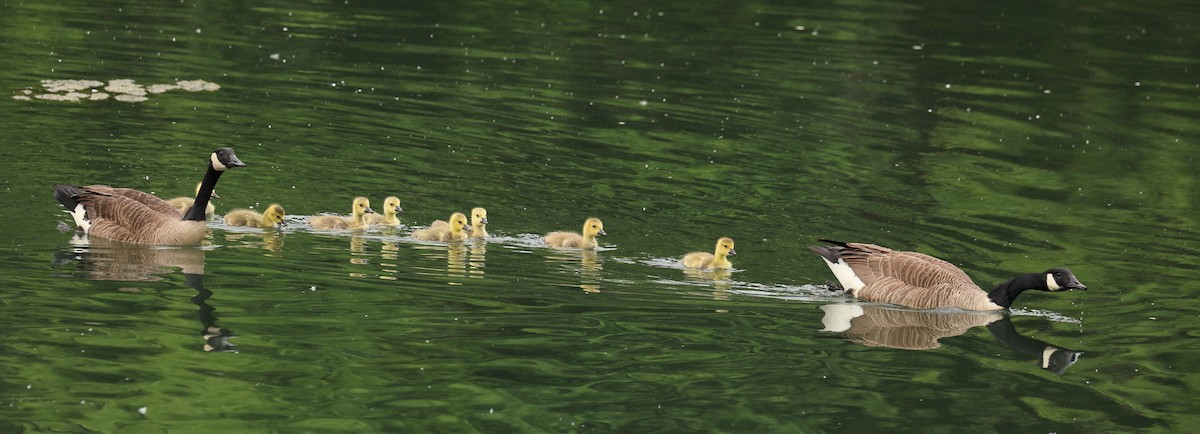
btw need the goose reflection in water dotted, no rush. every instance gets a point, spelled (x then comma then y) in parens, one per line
(920, 330)
(102, 259)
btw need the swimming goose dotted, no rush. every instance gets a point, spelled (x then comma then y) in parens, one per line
(457, 230)
(391, 206)
(270, 218)
(880, 274)
(129, 215)
(478, 223)
(717, 259)
(182, 203)
(359, 208)
(591, 227)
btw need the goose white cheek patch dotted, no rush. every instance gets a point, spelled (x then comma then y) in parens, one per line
(216, 162)
(1051, 284)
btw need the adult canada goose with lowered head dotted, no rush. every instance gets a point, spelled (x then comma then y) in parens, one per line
(875, 273)
(132, 216)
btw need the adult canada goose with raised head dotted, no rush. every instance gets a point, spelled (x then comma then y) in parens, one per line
(875, 273)
(124, 214)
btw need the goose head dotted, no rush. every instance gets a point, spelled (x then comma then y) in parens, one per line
(361, 206)
(391, 205)
(592, 227)
(725, 247)
(273, 216)
(1061, 279)
(224, 158)
(478, 217)
(459, 223)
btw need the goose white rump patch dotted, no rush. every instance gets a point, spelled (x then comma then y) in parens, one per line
(845, 275)
(80, 216)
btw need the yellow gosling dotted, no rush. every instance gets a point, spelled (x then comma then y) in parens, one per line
(591, 227)
(183, 203)
(270, 218)
(358, 210)
(457, 230)
(716, 259)
(391, 206)
(478, 223)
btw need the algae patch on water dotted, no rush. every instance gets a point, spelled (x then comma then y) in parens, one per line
(124, 90)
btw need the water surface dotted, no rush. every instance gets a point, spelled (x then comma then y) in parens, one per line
(1004, 138)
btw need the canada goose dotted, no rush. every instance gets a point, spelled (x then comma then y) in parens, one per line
(880, 274)
(457, 230)
(591, 227)
(129, 215)
(478, 223)
(716, 259)
(182, 203)
(391, 206)
(359, 208)
(270, 218)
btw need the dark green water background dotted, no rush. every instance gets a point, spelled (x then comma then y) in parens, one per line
(1005, 137)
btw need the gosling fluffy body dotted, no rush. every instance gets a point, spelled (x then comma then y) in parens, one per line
(132, 216)
(182, 203)
(478, 223)
(270, 218)
(875, 273)
(391, 206)
(591, 228)
(360, 207)
(716, 259)
(457, 229)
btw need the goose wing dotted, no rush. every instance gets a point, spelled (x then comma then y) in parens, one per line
(149, 200)
(872, 263)
(120, 217)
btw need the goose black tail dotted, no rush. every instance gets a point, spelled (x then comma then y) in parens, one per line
(67, 195)
(830, 253)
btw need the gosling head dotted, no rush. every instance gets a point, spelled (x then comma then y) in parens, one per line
(391, 205)
(478, 216)
(458, 221)
(725, 246)
(593, 226)
(1061, 279)
(224, 158)
(362, 206)
(274, 215)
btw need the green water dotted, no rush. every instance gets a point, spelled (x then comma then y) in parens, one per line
(1003, 137)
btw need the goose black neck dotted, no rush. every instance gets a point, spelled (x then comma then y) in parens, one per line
(1007, 292)
(1007, 334)
(196, 213)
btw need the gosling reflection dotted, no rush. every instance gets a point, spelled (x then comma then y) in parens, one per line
(590, 267)
(102, 259)
(478, 258)
(721, 279)
(876, 326)
(270, 240)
